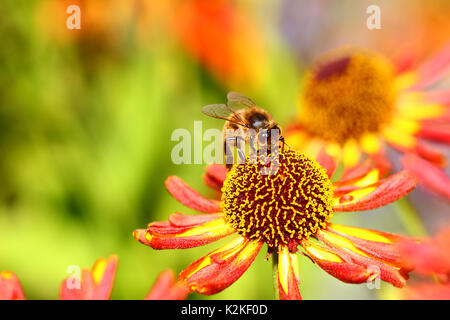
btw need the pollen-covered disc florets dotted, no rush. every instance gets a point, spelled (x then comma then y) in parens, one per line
(280, 208)
(347, 94)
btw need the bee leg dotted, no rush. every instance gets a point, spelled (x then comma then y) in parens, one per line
(251, 143)
(227, 147)
(240, 152)
(241, 155)
(283, 142)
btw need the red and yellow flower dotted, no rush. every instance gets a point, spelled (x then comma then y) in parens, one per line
(429, 256)
(97, 284)
(356, 102)
(10, 288)
(285, 210)
(94, 284)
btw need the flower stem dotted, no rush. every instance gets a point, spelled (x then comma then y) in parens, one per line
(410, 218)
(275, 275)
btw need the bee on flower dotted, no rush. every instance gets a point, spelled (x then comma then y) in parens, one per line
(289, 211)
(356, 103)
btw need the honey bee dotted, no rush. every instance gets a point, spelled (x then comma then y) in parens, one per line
(241, 115)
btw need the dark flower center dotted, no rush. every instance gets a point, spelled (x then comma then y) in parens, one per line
(280, 208)
(347, 96)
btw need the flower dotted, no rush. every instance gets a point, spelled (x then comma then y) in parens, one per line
(10, 288)
(290, 208)
(428, 256)
(355, 101)
(96, 284)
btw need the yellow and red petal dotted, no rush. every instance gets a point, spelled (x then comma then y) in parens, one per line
(421, 107)
(398, 139)
(336, 265)
(429, 175)
(408, 143)
(327, 161)
(433, 69)
(183, 231)
(381, 162)
(435, 131)
(95, 284)
(356, 175)
(377, 244)
(347, 250)
(10, 288)
(440, 97)
(429, 153)
(215, 175)
(379, 194)
(189, 197)
(166, 288)
(288, 279)
(221, 268)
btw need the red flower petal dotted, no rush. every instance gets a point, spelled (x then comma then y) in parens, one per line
(95, 284)
(166, 288)
(428, 256)
(355, 173)
(189, 197)
(430, 153)
(215, 176)
(326, 161)
(428, 174)
(397, 276)
(381, 162)
(221, 268)
(436, 131)
(336, 265)
(434, 68)
(438, 96)
(385, 191)
(287, 275)
(10, 288)
(183, 231)
(377, 244)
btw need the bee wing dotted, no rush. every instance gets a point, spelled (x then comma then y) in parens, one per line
(239, 101)
(222, 111)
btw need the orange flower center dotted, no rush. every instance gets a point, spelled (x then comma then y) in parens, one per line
(347, 95)
(280, 208)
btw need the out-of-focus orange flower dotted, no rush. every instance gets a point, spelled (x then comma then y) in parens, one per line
(10, 288)
(104, 23)
(101, 19)
(221, 36)
(97, 284)
(284, 210)
(354, 103)
(429, 256)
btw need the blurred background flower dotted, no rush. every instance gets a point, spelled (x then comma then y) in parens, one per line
(86, 119)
